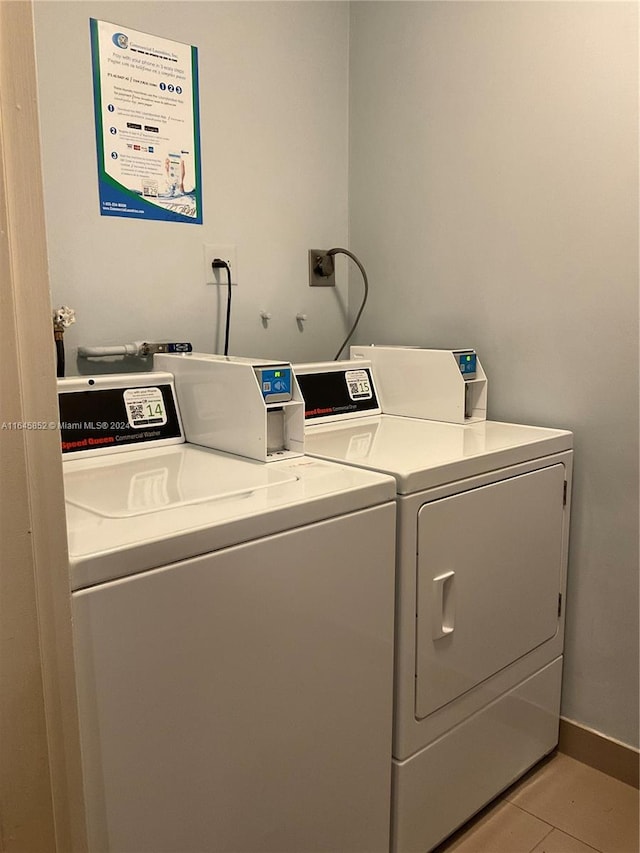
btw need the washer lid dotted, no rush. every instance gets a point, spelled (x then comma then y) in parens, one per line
(138, 484)
(421, 454)
(131, 512)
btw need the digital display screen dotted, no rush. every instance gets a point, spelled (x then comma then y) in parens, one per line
(467, 362)
(275, 381)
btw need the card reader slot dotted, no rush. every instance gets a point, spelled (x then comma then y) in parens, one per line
(275, 429)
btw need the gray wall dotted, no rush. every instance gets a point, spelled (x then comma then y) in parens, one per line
(274, 113)
(494, 201)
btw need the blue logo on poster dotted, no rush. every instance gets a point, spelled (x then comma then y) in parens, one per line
(120, 40)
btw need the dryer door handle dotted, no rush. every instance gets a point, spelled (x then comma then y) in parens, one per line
(443, 612)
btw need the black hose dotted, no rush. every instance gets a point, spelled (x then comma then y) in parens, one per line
(59, 354)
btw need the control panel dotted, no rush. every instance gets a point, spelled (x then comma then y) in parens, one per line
(105, 414)
(337, 389)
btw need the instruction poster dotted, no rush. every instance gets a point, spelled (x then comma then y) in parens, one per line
(145, 92)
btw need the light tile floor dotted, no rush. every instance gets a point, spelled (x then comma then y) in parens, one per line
(561, 806)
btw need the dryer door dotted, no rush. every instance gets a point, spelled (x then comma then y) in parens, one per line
(489, 575)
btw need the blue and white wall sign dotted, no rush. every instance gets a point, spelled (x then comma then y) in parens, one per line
(145, 91)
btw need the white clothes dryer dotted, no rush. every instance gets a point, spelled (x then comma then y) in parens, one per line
(482, 543)
(233, 629)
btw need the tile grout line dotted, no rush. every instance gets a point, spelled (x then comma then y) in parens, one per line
(551, 828)
(537, 817)
(564, 831)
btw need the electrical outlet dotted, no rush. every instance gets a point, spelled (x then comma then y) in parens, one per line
(316, 280)
(225, 253)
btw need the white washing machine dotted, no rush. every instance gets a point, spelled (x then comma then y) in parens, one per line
(233, 626)
(482, 542)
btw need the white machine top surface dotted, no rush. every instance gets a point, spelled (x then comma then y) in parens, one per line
(135, 511)
(422, 454)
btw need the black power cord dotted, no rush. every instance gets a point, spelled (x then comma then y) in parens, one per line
(325, 266)
(219, 264)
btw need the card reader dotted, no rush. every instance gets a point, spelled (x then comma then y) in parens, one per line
(467, 361)
(275, 383)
